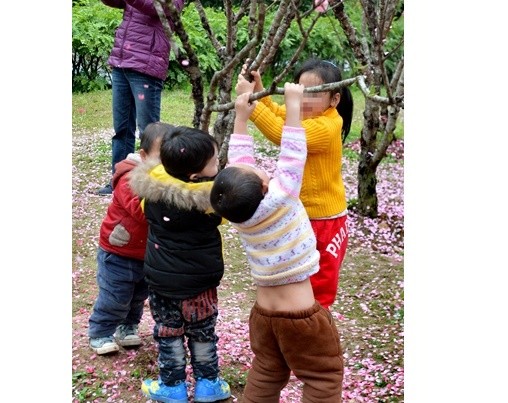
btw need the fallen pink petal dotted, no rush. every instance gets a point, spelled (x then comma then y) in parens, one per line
(369, 309)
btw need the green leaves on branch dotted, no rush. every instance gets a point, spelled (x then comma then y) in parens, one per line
(93, 32)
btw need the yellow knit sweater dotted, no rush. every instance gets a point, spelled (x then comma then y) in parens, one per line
(323, 193)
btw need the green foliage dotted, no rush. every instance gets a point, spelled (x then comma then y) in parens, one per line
(327, 42)
(86, 386)
(93, 30)
(94, 26)
(352, 203)
(350, 154)
(393, 47)
(235, 376)
(208, 58)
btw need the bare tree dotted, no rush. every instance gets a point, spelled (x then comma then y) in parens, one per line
(369, 50)
(381, 111)
(260, 50)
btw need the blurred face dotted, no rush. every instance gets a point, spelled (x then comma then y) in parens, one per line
(212, 167)
(314, 104)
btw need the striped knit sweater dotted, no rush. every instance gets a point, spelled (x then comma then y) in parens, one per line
(323, 193)
(278, 239)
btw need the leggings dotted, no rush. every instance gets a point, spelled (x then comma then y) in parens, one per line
(305, 342)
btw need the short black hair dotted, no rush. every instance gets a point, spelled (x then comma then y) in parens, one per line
(186, 151)
(152, 132)
(236, 194)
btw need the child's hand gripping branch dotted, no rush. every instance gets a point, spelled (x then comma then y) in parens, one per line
(293, 97)
(244, 85)
(243, 109)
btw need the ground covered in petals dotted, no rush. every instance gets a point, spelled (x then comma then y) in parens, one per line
(369, 308)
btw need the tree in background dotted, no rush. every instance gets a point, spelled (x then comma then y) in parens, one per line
(380, 61)
(364, 37)
(247, 36)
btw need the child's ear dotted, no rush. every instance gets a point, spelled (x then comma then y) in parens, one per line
(193, 177)
(265, 187)
(143, 154)
(335, 100)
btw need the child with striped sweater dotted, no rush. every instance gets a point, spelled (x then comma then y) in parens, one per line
(289, 329)
(326, 118)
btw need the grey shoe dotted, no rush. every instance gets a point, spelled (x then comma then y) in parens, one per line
(103, 345)
(127, 335)
(105, 191)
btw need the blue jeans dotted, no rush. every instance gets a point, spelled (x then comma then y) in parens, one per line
(136, 98)
(122, 293)
(195, 318)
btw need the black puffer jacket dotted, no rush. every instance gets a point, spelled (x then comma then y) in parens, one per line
(183, 256)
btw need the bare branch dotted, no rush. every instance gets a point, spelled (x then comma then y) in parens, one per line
(231, 27)
(241, 11)
(158, 4)
(388, 14)
(390, 52)
(280, 91)
(296, 55)
(360, 50)
(206, 26)
(367, 94)
(269, 44)
(370, 19)
(359, 80)
(399, 71)
(192, 68)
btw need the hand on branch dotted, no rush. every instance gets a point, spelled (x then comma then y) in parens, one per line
(244, 85)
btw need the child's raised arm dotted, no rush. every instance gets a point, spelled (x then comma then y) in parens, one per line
(293, 96)
(293, 146)
(243, 109)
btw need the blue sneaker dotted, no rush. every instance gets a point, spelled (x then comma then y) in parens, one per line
(156, 390)
(211, 390)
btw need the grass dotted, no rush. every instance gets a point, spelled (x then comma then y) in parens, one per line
(369, 308)
(93, 111)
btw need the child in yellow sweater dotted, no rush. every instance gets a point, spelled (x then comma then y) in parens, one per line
(326, 119)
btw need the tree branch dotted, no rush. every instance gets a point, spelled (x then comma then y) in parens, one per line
(280, 91)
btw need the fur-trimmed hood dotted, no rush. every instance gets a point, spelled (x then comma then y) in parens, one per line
(150, 181)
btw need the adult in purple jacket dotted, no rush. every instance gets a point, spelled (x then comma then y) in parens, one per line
(139, 61)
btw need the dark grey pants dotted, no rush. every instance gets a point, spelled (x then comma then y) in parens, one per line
(193, 318)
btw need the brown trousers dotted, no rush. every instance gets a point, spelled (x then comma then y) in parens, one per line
(306, 342)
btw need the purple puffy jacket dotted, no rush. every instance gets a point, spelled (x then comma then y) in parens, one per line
(140, 42)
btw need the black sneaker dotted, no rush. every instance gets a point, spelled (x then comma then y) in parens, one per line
(105, 191)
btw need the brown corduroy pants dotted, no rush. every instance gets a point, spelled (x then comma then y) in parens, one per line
(306, 342)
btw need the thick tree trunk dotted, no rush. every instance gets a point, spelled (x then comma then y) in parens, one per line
(221, 129)
(367, 196)
(367, 180)
(377, 135)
